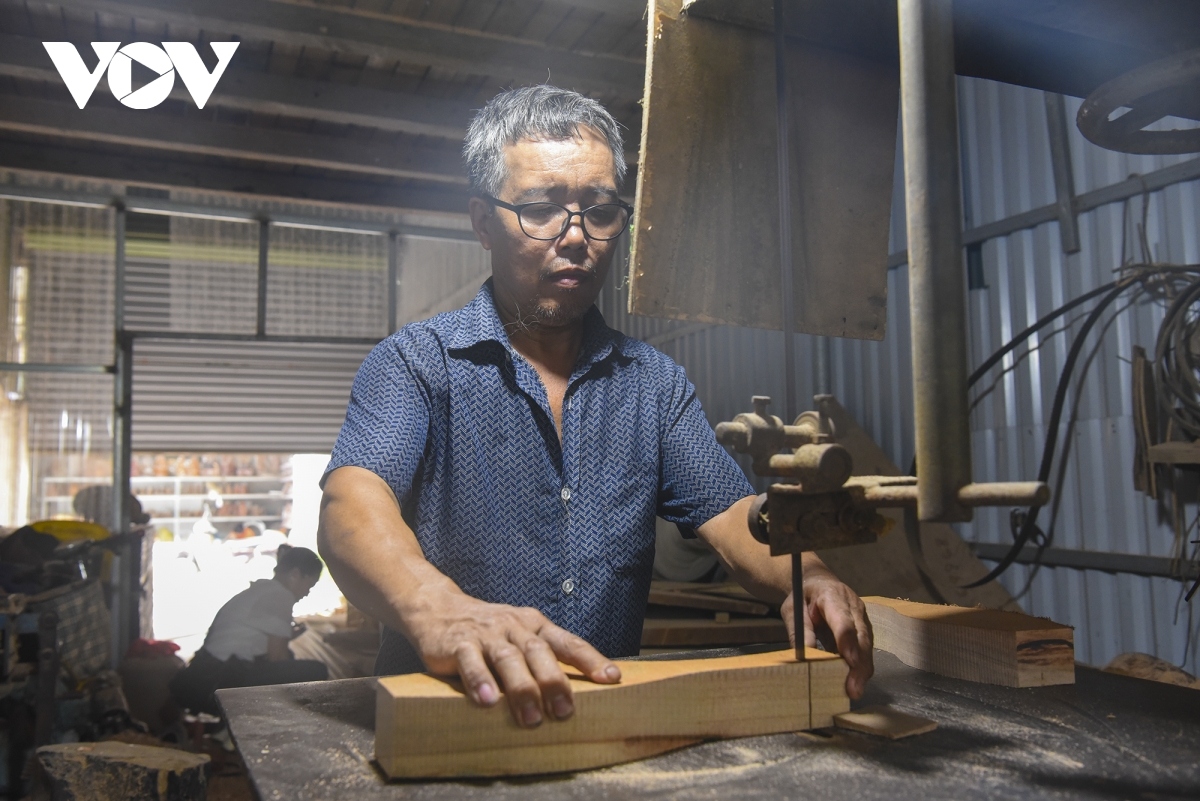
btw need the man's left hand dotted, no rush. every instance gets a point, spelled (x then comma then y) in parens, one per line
(834, 610)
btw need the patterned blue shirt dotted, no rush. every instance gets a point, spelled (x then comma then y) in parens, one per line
(459, 426)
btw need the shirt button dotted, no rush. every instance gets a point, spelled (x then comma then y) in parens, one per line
(566, 493)
(568, 586)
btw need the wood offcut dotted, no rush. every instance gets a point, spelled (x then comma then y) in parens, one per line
(884, 721)
(985, 645)
(425, 727)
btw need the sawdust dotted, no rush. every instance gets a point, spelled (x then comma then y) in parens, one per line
(739, 760)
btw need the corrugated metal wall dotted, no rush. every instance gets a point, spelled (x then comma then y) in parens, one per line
(1007, 170)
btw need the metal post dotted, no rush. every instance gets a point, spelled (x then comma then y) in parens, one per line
(823, 363)
(937, 293)
(1064, 178)
(393, 276)
(264, 245)
(122, 443)
(786, 290)
(785, 283)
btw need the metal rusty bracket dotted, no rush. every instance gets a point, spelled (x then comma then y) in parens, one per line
(826, 507)
(800, 521)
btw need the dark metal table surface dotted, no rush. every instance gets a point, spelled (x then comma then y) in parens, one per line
(1107, 736)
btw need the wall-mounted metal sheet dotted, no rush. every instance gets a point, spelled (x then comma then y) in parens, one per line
(256, 397)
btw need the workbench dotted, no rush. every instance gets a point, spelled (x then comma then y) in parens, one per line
(1106, 736)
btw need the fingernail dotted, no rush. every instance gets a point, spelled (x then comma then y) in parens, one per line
(612, 672)
(486, 693)
(562, 706)
(530, 714)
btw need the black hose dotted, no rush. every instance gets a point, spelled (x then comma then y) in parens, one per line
(1060, 397)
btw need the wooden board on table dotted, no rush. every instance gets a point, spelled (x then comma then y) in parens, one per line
(708, 633)
(426, 727)
(985, 645)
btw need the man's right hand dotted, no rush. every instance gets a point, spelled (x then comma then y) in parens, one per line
(377, 562)
(491, 646)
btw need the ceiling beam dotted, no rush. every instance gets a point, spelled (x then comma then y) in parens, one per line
(160, 131)
(618, 9)
(390, 39)
(262, 93)
(20, 152)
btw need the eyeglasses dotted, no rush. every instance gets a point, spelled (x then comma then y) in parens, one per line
(547, 221)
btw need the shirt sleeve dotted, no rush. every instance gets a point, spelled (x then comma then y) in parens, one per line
(699, 479)
(387, 418)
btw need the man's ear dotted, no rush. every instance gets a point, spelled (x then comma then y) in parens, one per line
(481, 211)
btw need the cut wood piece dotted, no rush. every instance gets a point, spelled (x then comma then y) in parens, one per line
(684, 632)
(701, 600)
(984, 645)
(426, 727)
(883, 721)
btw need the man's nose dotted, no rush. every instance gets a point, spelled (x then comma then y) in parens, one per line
(574, 235)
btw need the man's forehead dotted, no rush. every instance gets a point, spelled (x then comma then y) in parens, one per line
(544, 163)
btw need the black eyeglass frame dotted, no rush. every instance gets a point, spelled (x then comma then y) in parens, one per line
(516, 209)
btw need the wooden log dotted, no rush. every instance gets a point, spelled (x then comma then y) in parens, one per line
(985, 645)
(426, 727)
(111, 770)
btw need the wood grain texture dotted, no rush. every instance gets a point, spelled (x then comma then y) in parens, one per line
(884, 721)
(985, 645)
(425, 727)
(706, 242)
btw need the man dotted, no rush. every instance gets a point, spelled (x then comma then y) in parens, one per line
(492, 495)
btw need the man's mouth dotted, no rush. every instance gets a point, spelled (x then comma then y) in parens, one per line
(570, 277)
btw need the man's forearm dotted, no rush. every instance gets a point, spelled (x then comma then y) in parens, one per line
(371, 552)
(750, 562)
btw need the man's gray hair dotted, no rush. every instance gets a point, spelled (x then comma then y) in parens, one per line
(532, 112)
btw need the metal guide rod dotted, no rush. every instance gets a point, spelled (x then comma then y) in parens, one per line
(786, 290)
(937, 290)
(122, 443)
(393, 277)
(264, 246)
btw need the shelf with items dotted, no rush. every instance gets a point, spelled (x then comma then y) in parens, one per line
(177, 502)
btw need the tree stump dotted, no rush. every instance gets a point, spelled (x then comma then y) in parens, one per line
(110, 770)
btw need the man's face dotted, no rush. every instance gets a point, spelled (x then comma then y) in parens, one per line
(539, 282)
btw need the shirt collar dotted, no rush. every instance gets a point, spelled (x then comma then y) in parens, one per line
(479, 322)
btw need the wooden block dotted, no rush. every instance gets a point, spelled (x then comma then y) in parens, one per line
(684, 632)
(984, 645)
(111, 770)
(883, 721)
(426, 727)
